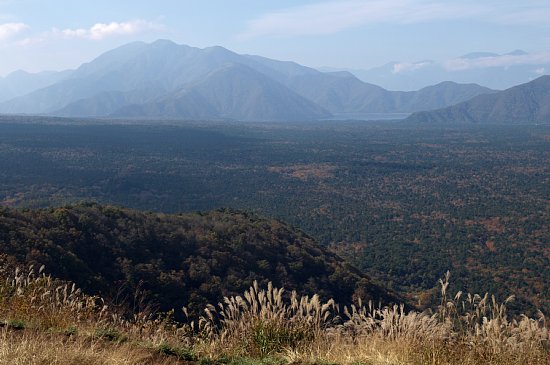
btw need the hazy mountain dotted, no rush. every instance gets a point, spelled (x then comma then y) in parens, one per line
(107, 102)
(526, 103)
(150, 79)
(21, 82)
(163, 79)
(341, 92)
(496, 71)
(438, 96)
(185, 104)
(161, 65)
(282, 71)
(233, 92)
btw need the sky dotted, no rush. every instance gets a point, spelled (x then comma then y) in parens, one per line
(37, 35)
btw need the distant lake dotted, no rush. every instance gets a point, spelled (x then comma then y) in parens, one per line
(370, 116)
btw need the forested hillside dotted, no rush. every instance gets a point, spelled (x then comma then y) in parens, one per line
(186, 259)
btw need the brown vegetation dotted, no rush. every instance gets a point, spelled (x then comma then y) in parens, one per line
(305, 172)
(46, 321)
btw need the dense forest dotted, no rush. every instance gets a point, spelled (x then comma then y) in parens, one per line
(403, 203)
(173, 261)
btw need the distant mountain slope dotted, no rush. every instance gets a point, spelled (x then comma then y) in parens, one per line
(184, 104)
(107, 102)
(526, 103)
(58, 96)
(161, 65)
(438, 96)
(152, 80)
(234, 92)
(496, 71)
(20, 82)
(185, 258)
(341, 92)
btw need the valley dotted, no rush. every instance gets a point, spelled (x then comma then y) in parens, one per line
(403, 203)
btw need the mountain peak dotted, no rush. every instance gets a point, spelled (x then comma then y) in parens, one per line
(517, 52)
(216, 49)
(166, 42)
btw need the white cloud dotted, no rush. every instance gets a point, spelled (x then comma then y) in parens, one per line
(408, 66)
(333, 16)
(540, 71)
(31, 41)
(459, 64)
(98, 31)
(101, 31)
(9, 30)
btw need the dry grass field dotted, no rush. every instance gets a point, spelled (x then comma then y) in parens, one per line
(45, 321)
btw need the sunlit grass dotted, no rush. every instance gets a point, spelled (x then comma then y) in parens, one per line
(45, 321)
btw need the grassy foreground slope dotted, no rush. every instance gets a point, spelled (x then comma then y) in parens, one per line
(184, 259)
(47, 321)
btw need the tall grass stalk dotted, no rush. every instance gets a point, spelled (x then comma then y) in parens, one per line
(58, 324)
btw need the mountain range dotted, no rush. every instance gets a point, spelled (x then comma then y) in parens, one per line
(496, 71)
(525, 103)
(166, 80)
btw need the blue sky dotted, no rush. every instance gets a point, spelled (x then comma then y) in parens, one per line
(58, 34)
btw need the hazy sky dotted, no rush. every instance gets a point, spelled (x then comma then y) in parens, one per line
(58, 34)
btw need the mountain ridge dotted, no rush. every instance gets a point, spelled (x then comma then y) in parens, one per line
(135, 80)
(525, 103)
(488, 69)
